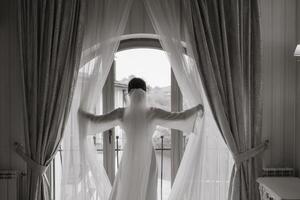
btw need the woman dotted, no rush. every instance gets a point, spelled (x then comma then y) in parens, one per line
(137, 176)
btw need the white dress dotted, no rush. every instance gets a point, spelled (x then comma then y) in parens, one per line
(136, 178)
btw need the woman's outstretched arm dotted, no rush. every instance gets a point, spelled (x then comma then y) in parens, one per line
(184, 121)
(100, 123)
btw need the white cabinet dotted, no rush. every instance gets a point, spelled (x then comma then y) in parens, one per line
(279, 188)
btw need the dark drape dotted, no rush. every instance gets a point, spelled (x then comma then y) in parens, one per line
(225, 35)
(51, 42)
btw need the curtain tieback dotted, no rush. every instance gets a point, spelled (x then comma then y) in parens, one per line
(241, 157)
(35, 167)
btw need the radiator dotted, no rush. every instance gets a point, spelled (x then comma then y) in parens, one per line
(10, 184)
(278, 172)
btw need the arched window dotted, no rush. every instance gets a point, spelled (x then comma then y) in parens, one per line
(145, 58)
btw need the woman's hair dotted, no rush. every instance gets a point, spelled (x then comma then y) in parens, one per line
(136, 83)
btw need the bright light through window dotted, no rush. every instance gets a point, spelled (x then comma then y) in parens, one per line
(152, 65)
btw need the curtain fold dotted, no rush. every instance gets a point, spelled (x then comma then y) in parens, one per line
(226, 44)
(83, 174)
(51, 34)
(199, 175)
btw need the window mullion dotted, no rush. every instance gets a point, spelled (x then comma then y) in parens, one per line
(176, 135)
(108, 136)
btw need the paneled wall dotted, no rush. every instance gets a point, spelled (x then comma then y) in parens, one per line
(297, 141)
(11, 124)
(278, 20)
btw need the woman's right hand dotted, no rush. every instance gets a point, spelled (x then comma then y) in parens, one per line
(200, 109)
(82, 112)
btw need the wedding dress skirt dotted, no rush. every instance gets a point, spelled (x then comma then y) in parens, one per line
(136, 178)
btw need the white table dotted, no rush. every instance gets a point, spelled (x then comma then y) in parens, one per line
(279, 188)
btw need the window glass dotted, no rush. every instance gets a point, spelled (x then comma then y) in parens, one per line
(153, 66)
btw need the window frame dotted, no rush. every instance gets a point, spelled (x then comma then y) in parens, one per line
(177, 141)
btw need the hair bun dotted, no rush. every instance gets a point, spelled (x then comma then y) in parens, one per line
(137, 83)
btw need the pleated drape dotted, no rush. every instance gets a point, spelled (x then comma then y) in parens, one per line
(225, 37)
(51, 44)
(83, 175)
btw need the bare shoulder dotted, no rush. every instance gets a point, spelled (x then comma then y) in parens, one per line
(120, 109)
(151, 112)
(155, 112)
(119, 112)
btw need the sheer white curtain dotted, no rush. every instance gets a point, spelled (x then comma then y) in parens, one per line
(83, 176)
(202, 174)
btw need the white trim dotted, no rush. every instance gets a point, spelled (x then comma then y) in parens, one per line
(176, 135)
(297, 51)
(109, 136)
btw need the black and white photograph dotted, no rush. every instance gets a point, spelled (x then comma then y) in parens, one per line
(149, 99)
